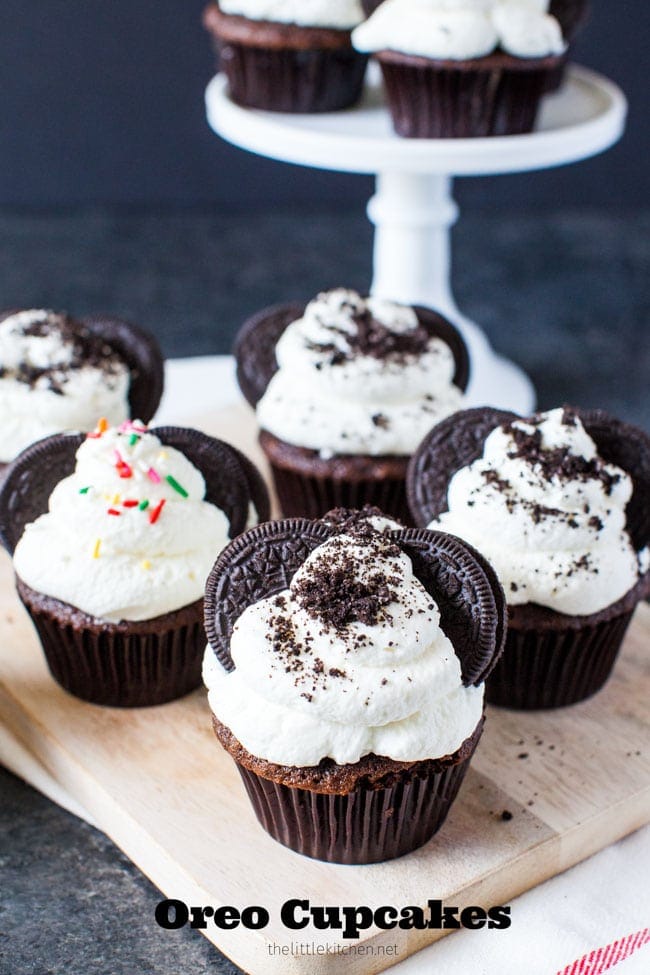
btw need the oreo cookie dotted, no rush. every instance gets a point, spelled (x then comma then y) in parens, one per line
(141, 353)
(232, 482)
(453, 443)
(263, 561)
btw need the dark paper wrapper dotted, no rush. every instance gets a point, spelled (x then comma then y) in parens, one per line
(431, 102)
(301, 496)
(553, 668)
(120, 665)
(291, 80)
(363, 826)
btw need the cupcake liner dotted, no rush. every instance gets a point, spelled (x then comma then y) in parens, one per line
(119, 664)
(311, 497)
(550, 668)
(441, 101)
(363, 826)
(291, 80)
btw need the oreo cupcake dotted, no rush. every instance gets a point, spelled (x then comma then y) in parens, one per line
(345, 389)
(113, 536)
(288, 55)
(560, 505)
(345, 675)
(58, 373)
(463, 68)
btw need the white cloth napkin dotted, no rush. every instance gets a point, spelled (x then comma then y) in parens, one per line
(600, 901)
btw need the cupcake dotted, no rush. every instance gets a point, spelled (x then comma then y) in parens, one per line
(293, 56)
(345, 672)
(344, 390)
(58, 374)
(560, 505)
(113, 536)
(463, 68)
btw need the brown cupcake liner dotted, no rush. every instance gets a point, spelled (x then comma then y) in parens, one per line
(441, 101)
(311, 497)
(290, 80)
(365, 825)
(119, 665)
(550, 668)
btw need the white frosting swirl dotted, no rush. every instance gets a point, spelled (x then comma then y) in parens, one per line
(391, 687)
(43, 390)
(113, 559)
(461, 29)
(337, 14)
(329, 397)
(557, 540)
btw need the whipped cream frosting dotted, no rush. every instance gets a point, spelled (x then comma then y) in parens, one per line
(337, 14)
(128, 535)
(549, 514)
(350, 660)
(461, 29)
(55, 376)
(358, 376)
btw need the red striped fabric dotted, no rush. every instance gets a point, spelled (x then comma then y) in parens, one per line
(603, 959)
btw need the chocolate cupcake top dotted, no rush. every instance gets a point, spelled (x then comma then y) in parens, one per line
(57, 373)
(129, 534)
(361, 376)
(336, 14)
(461, 30)
(543, 506)
(351, 657)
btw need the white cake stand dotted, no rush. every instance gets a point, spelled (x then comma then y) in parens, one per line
(412, 209)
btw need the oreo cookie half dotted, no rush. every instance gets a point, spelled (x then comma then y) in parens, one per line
(31, 478)
(264, 560)
(254, 347)
(453, 443)
(141, 353)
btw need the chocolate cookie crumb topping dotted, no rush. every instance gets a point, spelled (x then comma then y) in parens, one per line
(338, 592)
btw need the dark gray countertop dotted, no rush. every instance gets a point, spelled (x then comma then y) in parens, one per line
(564, 294)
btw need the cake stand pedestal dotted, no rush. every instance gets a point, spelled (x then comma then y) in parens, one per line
(413, 209)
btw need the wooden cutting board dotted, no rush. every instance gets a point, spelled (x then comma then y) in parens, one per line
(158, 783)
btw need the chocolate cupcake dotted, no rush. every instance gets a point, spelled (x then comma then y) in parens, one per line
(58, 373)
(344, 389)
(288, 57)
(345, 673)
(112, 537)
(463, 70)
(560, 505)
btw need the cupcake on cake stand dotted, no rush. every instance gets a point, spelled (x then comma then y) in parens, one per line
(413, 209)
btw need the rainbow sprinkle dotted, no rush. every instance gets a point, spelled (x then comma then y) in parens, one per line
(176, 486)
(133, 439)
(155, 514)
(113, 511)
(84, 490)
(143, 505)
(98, 545)
(130, 503)
(146, 565)
(102, 427)
(154, 476)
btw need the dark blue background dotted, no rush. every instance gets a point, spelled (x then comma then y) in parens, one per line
(101, 101)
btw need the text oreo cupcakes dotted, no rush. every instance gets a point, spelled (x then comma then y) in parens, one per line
(560, 505)
(344, 390)
(113, 536)
(345, 674)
